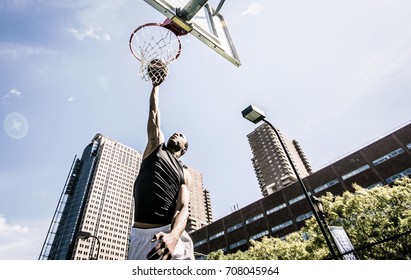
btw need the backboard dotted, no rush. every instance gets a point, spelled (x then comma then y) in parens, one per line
(206, 25)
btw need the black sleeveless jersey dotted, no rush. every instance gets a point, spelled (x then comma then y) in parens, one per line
(157, 186)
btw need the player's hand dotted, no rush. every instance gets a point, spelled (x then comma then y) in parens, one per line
(165, 247)
(157, 71)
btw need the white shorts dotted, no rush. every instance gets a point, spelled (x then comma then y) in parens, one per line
(141, 245)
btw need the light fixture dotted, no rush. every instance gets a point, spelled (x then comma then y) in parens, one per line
(85, 235)
(253, 114)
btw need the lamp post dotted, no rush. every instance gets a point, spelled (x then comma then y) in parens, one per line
(85, 235)
(318, 205)
(343, 238)
(319, 209)
(255, 115)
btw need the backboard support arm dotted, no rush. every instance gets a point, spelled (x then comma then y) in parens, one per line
(191, 9)
(220, 5)
(202, 21)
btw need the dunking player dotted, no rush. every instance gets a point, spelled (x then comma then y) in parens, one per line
(161, 193)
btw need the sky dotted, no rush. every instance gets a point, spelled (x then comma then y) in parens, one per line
(333, 75)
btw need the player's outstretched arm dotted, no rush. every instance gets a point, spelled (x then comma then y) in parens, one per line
(154, 134)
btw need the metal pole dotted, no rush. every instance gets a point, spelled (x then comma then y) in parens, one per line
(86, 235)
(304, 190)
(98, 246)
(191, 9)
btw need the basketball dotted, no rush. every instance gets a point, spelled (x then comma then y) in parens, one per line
(157, 71)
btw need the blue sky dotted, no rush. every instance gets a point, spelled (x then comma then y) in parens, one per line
(333, 75)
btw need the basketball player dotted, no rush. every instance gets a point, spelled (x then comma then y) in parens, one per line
(161, 190)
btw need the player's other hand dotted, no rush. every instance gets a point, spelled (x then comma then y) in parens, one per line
(164, 248)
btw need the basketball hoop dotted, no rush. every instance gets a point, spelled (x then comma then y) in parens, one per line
(156, 44)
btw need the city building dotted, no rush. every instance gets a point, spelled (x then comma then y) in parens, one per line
(209, 211)
(271, 165)
(97, 199)
(286, 210)
(199, 208)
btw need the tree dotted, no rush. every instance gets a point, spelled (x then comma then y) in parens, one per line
(369, 216)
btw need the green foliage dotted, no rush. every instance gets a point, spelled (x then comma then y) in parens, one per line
(368, 216)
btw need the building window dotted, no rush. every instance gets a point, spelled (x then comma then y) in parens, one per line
(201, 242)
(355, 172)
(298, 198)
(388, 156)
(255, 218)
(326, 186)
(409, 146)
(398, 175)
(295, 199)
(214, 236)
(304, 216)
(233, 228)
(281, 226)
(237, 244)
(259, 235)
(375, 185)
(275, 209)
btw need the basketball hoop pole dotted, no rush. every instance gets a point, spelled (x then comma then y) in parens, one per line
(191, 9)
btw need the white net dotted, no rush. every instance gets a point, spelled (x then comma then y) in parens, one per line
(153, 42)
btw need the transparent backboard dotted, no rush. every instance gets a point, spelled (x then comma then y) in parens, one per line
(206, 25)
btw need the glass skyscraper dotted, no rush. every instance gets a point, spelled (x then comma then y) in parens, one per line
(98, 199)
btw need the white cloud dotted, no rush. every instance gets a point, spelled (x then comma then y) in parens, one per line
(7, 230)
(16, 52)
(11, 51)
(12, 93)
(99, 13)
(255, 8)
(90, 33)
(21, 241)
(95, 18)
(11, 238)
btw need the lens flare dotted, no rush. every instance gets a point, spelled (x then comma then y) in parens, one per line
(16, 125)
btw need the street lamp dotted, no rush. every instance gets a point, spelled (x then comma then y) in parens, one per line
(85, 235)
(318, 205)
(338, 239)
(255, 115)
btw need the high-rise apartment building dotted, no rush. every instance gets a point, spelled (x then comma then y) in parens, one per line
(97, 198)
(285, 211)
(270, 162)
(199, 207)
(209, 212)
